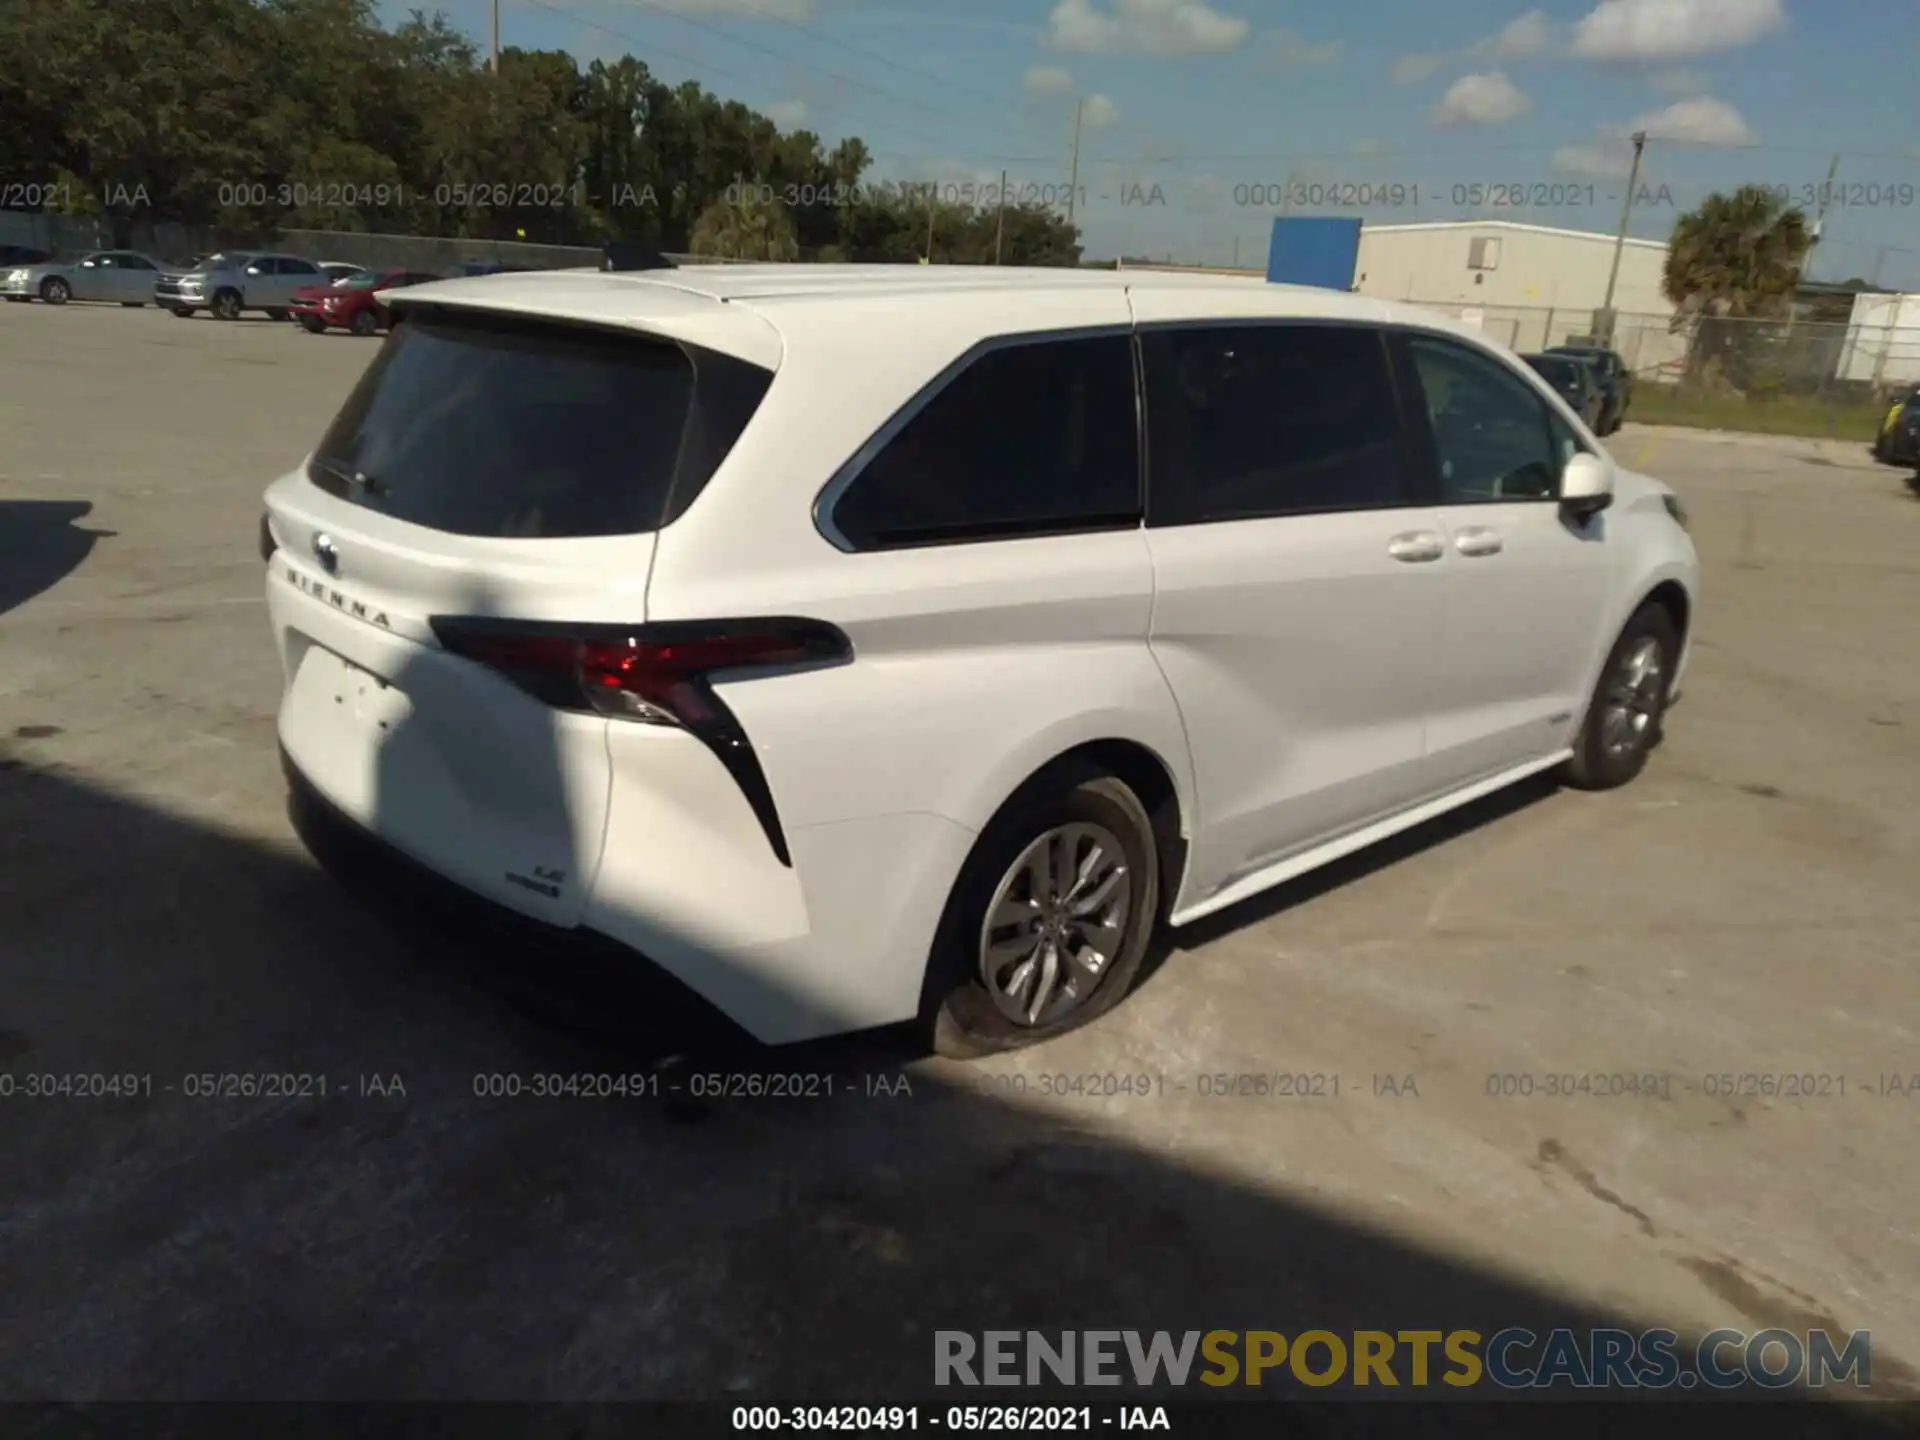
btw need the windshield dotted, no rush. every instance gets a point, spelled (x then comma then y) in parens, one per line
(357, 282)
(482, 426)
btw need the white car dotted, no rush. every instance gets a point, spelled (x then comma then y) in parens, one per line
(869, 644)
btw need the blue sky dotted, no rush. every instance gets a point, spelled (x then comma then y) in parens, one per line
(1196, 115)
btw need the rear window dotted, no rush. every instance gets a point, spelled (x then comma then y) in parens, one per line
(479, 425)
(1558, 372)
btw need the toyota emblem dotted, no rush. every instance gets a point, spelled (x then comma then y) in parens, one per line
(327, 553)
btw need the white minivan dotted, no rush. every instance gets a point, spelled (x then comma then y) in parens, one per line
(871, 644)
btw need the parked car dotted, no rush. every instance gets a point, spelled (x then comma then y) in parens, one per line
(125, 276)
(1139, 595)
(354, 303)
(336, 271)
(1616, 381)
(1898, 442)
(235, 281)
(1577, 382)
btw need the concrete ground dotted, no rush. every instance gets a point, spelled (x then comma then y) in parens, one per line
(1748, 908)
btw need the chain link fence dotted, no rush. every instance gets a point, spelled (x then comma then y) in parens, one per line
(1791, 375)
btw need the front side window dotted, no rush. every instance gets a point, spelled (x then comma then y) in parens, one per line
(1491, 436)
(1252, 421)
(1031, 438)
(297, 267)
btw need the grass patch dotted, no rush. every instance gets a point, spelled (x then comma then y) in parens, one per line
(1793, 415)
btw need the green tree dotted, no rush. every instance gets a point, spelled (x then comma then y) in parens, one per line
(745, 227)
(1732, 265)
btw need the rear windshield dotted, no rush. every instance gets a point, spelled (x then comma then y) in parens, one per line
(1564, 373)
(480, 425)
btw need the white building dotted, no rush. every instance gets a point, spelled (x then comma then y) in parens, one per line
(1526, 285)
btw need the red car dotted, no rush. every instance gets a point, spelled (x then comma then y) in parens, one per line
(351, 304)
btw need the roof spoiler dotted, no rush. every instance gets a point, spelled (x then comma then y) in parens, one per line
(627, 255)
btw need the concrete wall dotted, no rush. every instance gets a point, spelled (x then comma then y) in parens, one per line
(1537, 268)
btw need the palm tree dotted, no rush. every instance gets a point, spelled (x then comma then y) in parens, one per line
(1738, 258)
(745, 227)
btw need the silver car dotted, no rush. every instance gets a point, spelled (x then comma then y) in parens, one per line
(234, 281)
(126, 276)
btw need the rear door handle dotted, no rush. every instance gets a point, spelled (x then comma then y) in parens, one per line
(1416, 546)
(1478, 540)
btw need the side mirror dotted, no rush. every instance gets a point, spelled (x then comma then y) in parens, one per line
(1586, 487)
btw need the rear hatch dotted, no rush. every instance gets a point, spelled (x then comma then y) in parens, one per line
(490, 475)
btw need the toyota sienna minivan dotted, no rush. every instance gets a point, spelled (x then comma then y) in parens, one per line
(875, 644)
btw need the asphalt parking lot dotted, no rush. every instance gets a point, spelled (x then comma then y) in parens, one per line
(1749, 908)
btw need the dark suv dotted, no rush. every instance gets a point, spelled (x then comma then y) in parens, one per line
(1616, 381)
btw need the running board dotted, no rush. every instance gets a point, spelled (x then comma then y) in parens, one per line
(1296, 865)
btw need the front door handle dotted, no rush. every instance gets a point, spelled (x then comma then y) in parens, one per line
(1478, 540)
(1416, 546)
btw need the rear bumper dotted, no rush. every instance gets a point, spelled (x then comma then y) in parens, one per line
(399, 886)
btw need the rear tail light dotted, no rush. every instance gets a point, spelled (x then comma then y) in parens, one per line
(658, 674)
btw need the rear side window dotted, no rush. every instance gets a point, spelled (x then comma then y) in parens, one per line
(1038, 437)
(1250, 421)
(487, 426)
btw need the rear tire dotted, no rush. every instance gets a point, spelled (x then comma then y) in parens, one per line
(1083, 813)
(1628, 705)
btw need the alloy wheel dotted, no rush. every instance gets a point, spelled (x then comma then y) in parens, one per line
(1055, 923)
(1633, 699)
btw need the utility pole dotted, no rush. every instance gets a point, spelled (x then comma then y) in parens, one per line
(1000, 220)
(1073, 178)
(1819, 221)
(1620, 240)
(496, 37)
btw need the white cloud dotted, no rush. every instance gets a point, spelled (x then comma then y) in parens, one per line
(1599, 161)
(1528, 35)
(1678, 82)
(1143, 27)
(1669, 29)
(1699, 121)
(1048, 80)
(1412, 69)
(787, 114)
(1098, 112)
(1287, 47)
(1489, 99)
(1524, 36)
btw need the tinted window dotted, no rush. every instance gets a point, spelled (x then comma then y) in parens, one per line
(1246, 421)
(1029, 438)
(482, 426)
(134, 262)
(1490, 429)
(297, 267)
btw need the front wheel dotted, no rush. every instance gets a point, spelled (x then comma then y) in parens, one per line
(1050, 919)
(226, 305)
(1624, 716)
(366, 323)
(55, 291)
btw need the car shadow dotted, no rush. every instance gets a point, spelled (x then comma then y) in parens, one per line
(384, 1224)
(40, 545)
